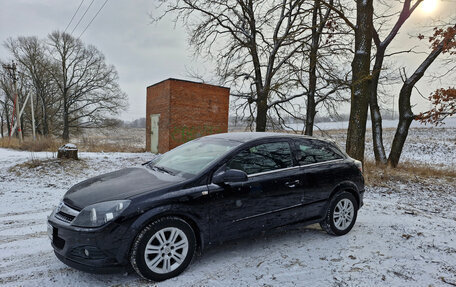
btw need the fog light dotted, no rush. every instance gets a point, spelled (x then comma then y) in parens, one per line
(86, 252)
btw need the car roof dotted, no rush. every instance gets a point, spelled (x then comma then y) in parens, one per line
(250, 136)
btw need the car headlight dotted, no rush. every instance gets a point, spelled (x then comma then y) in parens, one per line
(97, 214)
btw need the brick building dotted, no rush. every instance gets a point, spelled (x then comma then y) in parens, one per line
(178, 111)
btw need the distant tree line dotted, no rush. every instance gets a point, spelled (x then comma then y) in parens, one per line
(71, 84)
(118, 123)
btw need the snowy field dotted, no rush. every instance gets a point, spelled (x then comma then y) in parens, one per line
(448, 123)
(405, 234)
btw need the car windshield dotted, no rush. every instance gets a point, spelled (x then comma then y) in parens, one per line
(192, 157)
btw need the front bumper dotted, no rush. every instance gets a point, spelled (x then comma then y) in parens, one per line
(98, 250)
(89, 267)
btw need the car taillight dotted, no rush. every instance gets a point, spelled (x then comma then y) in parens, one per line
(359, 165)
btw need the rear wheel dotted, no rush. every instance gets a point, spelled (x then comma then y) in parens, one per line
(163, 249)
(341, 214)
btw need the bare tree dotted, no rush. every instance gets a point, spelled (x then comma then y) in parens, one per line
(4, 110)
(251, 42)
(360, 79)
(382, 45)
(35, 65)
(317, 29)
(443, 41)
(88, 87)
(327, 80)
(7, 100)
(2, 117)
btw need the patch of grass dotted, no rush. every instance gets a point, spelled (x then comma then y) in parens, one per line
(52, 144)
(40, 144)
(48, 166)
(99, 145)
(405, 172)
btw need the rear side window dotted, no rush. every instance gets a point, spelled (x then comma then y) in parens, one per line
(263, 157)
(314, 151)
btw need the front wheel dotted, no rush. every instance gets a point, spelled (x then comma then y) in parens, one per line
(163, 249)
(341, 214)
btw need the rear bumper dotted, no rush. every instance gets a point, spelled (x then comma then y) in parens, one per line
(361, 198)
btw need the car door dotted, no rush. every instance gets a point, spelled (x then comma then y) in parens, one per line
(268, 199)
(322, 167)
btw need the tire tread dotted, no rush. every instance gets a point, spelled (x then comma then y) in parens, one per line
(325, 224)
(144, 231)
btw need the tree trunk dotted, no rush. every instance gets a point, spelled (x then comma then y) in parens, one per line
(8, 124)
(311, 108)
(1, 126)
(22, 126)
(68, 151)
(66, 122)
(44, 116)
(262, 111)
(405, 120)
(376, 117)
(44, 123)
(310, 115)
(360, 80)
(405, 108)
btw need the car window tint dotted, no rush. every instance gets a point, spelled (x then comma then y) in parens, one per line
(261, 158)
(313, 151)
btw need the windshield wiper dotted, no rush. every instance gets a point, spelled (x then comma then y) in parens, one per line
(163, 169)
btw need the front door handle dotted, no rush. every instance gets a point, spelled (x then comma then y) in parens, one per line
(293, 183)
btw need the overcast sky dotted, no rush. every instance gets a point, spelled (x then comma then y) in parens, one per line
(145, 53)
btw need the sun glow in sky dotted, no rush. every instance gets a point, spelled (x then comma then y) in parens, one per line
(428, 6)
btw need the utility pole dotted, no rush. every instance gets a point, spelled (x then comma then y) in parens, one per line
(33, 117)
(12, 69)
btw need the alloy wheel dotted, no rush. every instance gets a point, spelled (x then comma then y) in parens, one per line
(166, 250)
(343, 214)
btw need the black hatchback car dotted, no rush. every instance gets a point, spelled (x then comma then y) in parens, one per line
(209, 190)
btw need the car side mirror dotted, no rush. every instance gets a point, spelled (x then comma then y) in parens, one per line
(228, 176)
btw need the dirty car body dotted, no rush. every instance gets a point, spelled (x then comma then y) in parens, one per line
(288, 179)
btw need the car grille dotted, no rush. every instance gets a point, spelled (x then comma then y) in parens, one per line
(64, 216)
(66, 213)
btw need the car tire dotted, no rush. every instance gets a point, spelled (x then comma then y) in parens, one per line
(341, 214)
(163, 249)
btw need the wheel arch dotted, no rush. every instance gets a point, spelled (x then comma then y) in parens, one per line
(154, 214)
(349, 187)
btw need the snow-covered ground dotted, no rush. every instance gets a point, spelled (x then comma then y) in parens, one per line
(405, 234)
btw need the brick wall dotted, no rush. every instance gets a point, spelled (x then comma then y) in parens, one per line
(187, 110)
(158, 103)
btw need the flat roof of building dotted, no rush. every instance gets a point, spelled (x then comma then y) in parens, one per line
(193, 82)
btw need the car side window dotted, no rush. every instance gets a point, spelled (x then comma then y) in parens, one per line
(263, 157)
(314, 151)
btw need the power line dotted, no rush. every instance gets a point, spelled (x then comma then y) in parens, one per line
(82, 17)
(93, 18)
(80, 4)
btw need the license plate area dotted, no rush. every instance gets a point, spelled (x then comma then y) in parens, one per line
(50, 231)
(53, 234)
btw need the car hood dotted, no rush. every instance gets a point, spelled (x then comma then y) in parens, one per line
(117, 185)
